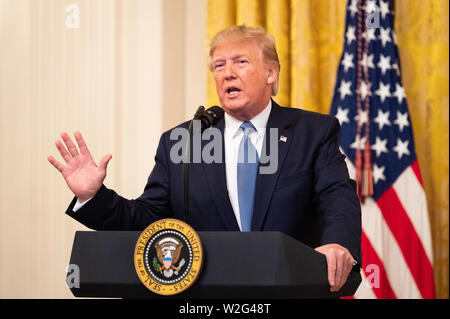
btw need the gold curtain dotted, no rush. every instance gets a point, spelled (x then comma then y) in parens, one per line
(309, 37)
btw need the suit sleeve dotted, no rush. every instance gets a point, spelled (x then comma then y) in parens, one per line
(336, 199)
(109, 211)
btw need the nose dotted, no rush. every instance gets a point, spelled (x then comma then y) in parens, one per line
(229, 72)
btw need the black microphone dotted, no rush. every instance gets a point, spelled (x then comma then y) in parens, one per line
(197, 115)
(207, 118)
(210, 117)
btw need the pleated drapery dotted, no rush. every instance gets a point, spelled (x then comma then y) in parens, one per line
(309, 36)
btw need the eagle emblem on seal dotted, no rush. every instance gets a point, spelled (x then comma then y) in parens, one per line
(168, 253)
(168, 256)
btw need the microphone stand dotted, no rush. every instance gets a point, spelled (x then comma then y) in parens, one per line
(186, 166)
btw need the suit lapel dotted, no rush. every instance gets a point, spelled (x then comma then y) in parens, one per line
(216, 177)
(265, 183)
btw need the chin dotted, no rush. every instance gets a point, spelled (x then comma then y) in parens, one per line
(233, 106)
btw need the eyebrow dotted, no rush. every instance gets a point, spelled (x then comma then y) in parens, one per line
(238, 56)
(235, 57)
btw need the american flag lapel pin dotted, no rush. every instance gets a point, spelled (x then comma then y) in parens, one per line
(283, 139)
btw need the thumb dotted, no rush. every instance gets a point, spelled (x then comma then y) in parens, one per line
(104, 161)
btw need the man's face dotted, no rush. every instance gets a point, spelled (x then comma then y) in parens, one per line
(243, 81)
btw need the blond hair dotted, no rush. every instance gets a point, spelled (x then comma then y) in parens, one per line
(242, 32)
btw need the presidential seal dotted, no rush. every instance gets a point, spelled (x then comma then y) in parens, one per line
(168, 256)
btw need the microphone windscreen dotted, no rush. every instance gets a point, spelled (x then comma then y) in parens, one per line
(216, 113)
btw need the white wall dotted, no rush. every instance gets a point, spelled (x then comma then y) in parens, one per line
(132, 69)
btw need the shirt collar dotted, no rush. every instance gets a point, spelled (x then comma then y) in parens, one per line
(259, 121)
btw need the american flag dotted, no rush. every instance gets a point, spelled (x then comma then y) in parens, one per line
(376, 136)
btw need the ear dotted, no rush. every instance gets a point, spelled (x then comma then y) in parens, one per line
(271, 74)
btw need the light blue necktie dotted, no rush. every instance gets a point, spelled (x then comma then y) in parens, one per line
(247, 168)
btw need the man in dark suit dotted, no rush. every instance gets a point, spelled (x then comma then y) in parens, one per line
(308, 195)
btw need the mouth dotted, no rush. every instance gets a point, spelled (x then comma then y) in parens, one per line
(232, 91)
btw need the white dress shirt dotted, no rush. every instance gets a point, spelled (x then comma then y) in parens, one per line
(232, 139)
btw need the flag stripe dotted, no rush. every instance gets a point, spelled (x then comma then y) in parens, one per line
(386, 247)
(383, 288)
(364, 290)
(416, 169)
(384, 243)
(408, 241)
(395, 221)
(406, 187)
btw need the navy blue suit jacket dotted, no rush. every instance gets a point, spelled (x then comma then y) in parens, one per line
(310, 197)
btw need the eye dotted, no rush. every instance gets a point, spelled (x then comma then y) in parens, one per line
(218, 65)
(243, 61)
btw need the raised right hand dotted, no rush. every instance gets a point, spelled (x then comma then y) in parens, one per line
(81, 174)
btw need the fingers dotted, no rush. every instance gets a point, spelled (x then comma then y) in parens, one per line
(344, 266)
(332, 270)
(71, 150)
(340, 271)
(348, 267)
(339, 264)
(55, 163)
(104, 161)
(82, 145)
(328, 251)
(70, 146)
(62, 150)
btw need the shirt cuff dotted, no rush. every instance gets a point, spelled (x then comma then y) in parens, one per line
(78, 205)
